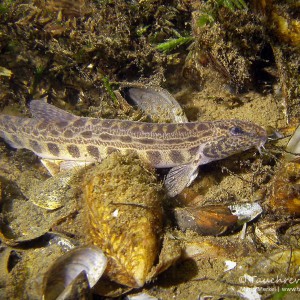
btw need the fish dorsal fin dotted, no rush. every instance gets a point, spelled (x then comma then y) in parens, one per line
(40, 109)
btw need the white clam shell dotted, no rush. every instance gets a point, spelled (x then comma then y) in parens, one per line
(155, 102)
(246, 212)
(65, 269)
(293, 146)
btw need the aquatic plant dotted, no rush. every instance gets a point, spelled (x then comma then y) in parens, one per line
(4, 6)
(209, 16)
(172, 44)
(232, 4)
(109, 89)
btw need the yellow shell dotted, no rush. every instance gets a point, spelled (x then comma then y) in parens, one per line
(125, 213)
(285, 196)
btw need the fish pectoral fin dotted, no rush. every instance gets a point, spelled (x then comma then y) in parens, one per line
(180, 177)
(54, 166)
(72, 164)
(40, 109)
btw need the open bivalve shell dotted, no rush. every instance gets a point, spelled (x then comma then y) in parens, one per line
(293, 147)
(216, 219)
(59, 280)
(157, 103)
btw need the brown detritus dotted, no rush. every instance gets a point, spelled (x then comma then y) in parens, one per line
(64, 49)
(282, 27)
(226, 47)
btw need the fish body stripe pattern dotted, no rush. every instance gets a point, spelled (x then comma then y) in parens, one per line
(55, 134)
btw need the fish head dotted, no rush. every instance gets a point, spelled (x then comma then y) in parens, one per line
(233, 136)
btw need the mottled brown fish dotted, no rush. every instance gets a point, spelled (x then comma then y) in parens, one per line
(55, 134)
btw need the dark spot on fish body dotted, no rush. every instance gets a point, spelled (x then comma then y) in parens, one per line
(238, 146)
(218, 149)
(176, 157)
(114, 127)
(154, 157)
(43, 125)
(181, 130)
(135, 130)
(202, 126)
(124, 125)
(74, 151)
(53, 149)
(95, 121)
(81, 122)
(86, 134)
(191, 126)
(68, 133)
(105, 136)
(170, 128)
(54, 132)
(62, 124)
(192, 139)
(173, 141)
(125, 139)
(93, 151)
(211, 152)
(193, 151)
(35, 146)
(159, 130)
(146, 141)
(146, 128)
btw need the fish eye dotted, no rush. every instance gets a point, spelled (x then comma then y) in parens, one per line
(236, 130)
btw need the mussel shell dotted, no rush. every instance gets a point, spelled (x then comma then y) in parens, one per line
(79, 288)
(51, 193)
(6, 255)
(123, 200)
(284, 195)
(157, 103)
(141, 296)
(209, 220)
(216, 219)
(65, 269)
(293, 147)
(25, 220)
(245, 212)
(277, 261)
